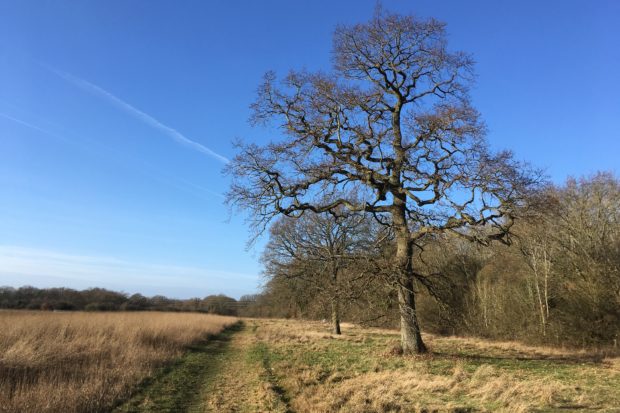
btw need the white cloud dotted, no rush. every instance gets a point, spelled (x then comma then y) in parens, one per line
(21, 266)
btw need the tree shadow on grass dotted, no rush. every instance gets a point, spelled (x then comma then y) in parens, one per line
(576, 359)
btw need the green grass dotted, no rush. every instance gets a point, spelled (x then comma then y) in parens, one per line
(177, 386)
(296, 366)
(262, 354)
(323, 362)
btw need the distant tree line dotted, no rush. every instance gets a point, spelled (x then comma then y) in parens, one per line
(99, 299)
(558, 282)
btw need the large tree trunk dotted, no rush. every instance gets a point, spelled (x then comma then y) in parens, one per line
(411, 339)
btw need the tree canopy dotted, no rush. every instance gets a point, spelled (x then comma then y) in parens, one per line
(392, 123)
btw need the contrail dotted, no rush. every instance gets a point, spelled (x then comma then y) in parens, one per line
(29, 125)
(144, 167)
(137, 113)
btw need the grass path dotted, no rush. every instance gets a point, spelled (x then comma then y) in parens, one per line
(228, 373)
(245, 382)
(287, 366)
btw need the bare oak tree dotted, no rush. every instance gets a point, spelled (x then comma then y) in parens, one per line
(393, 121)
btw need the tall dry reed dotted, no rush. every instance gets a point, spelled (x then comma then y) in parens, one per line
(86, 362)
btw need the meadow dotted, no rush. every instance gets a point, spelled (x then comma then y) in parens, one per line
(183, 362)
(362, 371)
(270, 365)
(87, 362)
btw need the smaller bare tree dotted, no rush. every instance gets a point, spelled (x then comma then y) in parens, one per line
(319, 248)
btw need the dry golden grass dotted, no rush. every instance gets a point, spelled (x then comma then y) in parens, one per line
(357, 372)
(86, 362)
(242, 383)
(516, 349)
(613, 363)
(414, 391)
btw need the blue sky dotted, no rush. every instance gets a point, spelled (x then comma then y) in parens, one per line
(116, 118)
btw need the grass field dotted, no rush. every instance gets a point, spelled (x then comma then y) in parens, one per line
(86, 362)
(281, 366)
(358, 372)
(293, 366)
